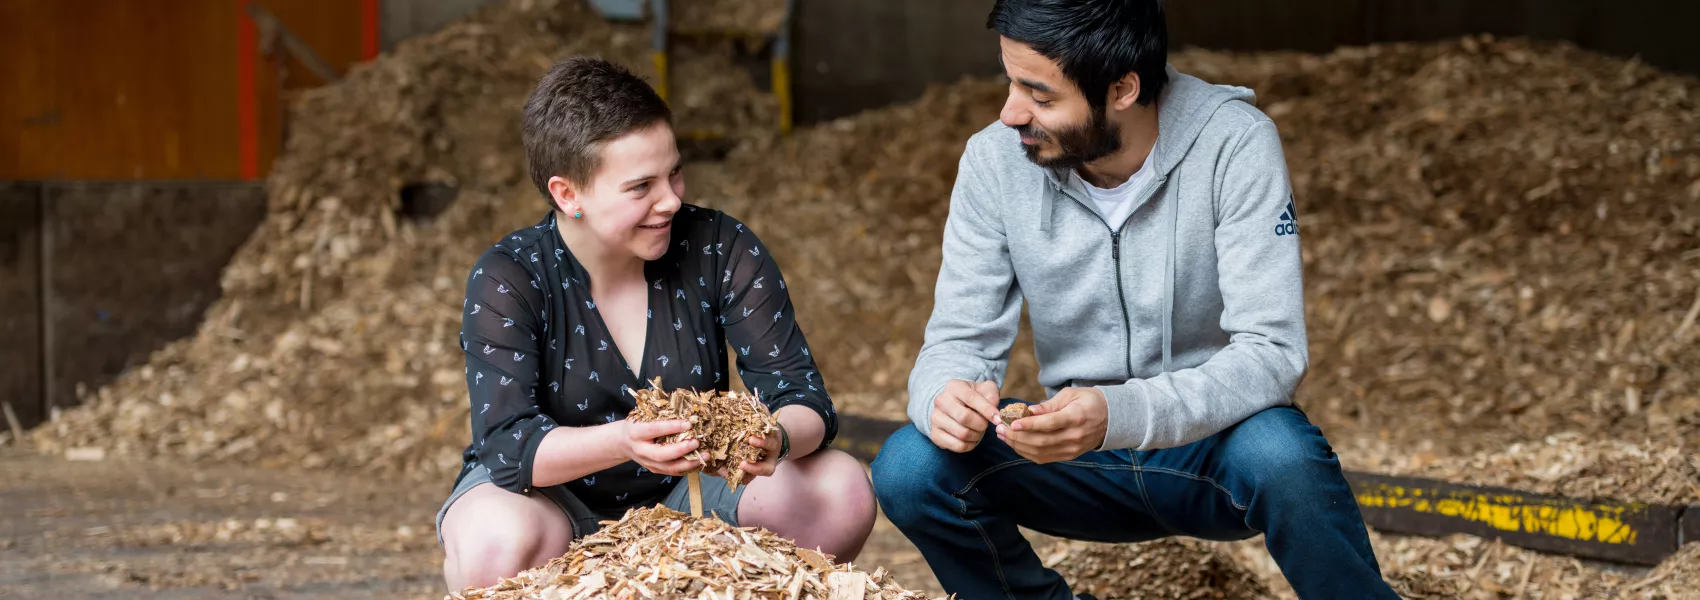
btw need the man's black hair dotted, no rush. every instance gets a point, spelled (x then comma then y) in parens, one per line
(1096, 42)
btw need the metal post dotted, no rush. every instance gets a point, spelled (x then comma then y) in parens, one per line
(782, 69)
(44, 289)
(658, 46)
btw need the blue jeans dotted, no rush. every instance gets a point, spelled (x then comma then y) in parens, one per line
(1272, 473)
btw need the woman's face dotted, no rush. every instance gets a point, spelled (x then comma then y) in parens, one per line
(630, 201)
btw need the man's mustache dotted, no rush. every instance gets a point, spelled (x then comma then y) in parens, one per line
(1029, 131)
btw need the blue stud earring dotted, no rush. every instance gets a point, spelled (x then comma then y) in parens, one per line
(578, 214)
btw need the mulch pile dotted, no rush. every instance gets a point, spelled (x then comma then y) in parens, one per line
(661, 553)
(1169, 569)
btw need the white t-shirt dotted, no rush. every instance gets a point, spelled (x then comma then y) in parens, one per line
(1116, 204)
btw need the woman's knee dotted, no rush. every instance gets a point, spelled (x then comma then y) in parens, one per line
(844, 486)
(487, 541)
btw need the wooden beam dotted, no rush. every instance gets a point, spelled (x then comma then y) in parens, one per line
(1689, 530)
(1609, 530)
(1627, 532)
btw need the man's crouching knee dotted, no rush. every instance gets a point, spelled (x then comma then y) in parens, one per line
(906, 475)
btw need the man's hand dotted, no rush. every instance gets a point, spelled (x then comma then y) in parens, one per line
(1070, 424)
(668, 459)
(961, 414)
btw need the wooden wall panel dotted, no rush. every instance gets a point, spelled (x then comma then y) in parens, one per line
(139, 89)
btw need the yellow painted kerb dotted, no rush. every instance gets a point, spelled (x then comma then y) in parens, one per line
(1510, 512)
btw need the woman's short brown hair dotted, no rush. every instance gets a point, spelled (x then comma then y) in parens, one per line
(579, 104)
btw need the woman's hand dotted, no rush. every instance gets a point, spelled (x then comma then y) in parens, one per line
(666, 459)
(770, 445)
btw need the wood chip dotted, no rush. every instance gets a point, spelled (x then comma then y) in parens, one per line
(660, 553)
(1014, 411)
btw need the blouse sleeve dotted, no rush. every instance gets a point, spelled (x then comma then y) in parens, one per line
(499, 334)
(757, 318)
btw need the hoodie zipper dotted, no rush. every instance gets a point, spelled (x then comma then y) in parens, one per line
(1121, 297)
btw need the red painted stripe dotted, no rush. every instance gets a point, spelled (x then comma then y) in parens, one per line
(368, 29)
(247, 94)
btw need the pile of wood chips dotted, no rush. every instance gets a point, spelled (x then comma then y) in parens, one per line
(721, 422)
(1167, 569)
(657, 553)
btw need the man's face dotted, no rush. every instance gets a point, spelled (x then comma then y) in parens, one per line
(1059, 128)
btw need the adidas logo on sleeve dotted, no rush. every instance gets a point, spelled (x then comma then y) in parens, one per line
(1289, 223)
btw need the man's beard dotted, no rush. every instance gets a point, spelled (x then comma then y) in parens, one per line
(1076, 145)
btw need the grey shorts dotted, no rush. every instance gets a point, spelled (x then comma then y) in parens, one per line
(717, 500)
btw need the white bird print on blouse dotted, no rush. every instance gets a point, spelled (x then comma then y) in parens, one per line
(663, 360)
(590, 480)
(579, 329)
(775, 352)
(506, 380)
(488, 349)
(501, 289)
(590, 305)
(755, 251)
(506, 322)
(478, 378)
(486, 408)
(757, 283)
(476, 308)
(744, 350)
(584, 405)
(678, 324)
(604, 345)
(518, 357)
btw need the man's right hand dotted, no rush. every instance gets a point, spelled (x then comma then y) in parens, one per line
(666, 459)
(962, 413)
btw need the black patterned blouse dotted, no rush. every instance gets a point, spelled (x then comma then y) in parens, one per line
(538, 355)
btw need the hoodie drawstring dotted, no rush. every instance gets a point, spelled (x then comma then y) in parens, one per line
(1169, 278)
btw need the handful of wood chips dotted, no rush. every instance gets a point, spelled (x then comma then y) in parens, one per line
(657, 553)
(721, 422)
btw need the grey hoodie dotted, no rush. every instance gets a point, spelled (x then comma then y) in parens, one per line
(1189, 318)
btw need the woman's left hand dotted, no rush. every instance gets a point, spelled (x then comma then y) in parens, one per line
(770, 445)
